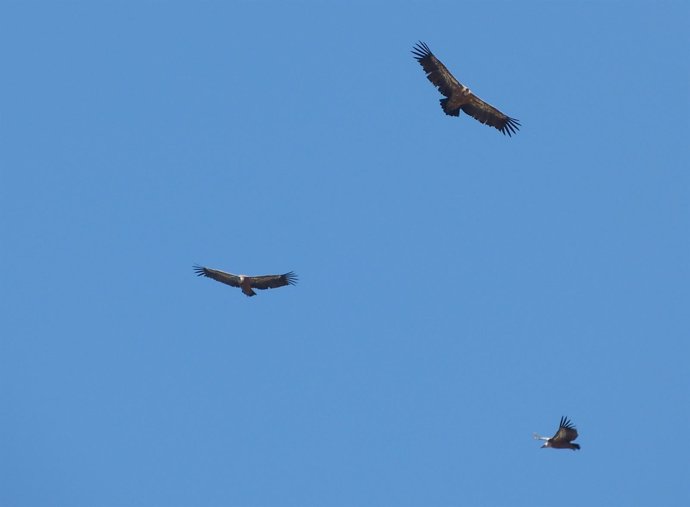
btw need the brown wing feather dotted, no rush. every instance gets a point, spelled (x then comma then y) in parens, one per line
(273, 281)
(489, 115)
(436, 72)
(566, 431)
(219, 276)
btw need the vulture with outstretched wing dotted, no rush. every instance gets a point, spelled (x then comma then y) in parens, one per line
(563, 438)
(248, 283)
(459, 96)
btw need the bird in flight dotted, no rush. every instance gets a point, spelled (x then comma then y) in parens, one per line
(563, 438)
(458, 96)
(248, 283)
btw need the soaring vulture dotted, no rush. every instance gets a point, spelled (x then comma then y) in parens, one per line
(563, 438)
(247, 283)
(459, 96)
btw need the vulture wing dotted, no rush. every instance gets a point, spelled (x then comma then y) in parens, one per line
(219, 276)
(566, 431)
(489, 115)
(273, 281)
(436, 72)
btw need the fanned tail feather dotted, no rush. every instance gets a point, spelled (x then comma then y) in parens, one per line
(451, 112)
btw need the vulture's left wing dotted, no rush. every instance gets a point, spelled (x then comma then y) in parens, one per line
(273, 281)
(489, 115)
(566, 431)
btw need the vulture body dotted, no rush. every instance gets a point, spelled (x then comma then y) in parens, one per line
(458, 96)
(563, 438)
(248, 283)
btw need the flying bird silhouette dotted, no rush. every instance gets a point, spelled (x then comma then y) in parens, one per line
(248, 283)
(458, 96)
(563, 438)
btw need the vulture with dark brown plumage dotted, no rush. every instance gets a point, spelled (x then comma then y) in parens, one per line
(248, 283)
(458, 96)
(563, 438)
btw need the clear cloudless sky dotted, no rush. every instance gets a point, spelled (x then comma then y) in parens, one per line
(458, 289)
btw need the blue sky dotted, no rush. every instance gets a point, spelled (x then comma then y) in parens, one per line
(459, 290)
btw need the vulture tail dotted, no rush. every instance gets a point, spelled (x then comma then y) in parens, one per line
(449, 112)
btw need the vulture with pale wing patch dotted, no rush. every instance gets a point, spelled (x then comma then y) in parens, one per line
(459, 96)
(563, 438)
(248, 283)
